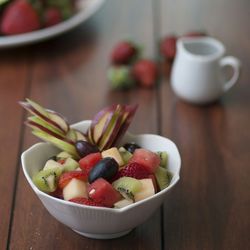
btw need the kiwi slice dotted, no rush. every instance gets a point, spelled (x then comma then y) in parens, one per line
(162, 178)
(46, 180)
(127, 186)
(125, 154)
(164, 158)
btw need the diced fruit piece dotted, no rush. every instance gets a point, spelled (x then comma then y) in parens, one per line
(125, 154)
(63, 155)
(168, 47)
(75, 188)
(162, 177)
(134, 170)
(51, 164)
(145, 73)
(102, 192)
(105, 168)
(71, 135)
(70, 164)
(131, 147)
(124, 52)
(19, 17)
(52, 16)
(146, 190)
(127, 186)
(123, 203)
(63, 145)
(120, 77)
(114, 153)
(66, 177)
(89, 161)
(46, 180)
(164, 158)
(84, 148)
(146, 158)
(85, 201)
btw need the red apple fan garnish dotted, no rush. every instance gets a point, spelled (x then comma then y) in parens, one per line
(110, 124)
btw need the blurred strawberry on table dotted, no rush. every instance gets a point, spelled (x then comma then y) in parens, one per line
(124, 52)
(145, 72)
(168, 47)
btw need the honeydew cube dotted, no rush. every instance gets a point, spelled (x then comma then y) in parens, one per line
(146, 190)
(51, 164)
(74, 189)
(123, 203)
(114, 153)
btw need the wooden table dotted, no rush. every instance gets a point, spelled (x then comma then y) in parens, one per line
(210, 206)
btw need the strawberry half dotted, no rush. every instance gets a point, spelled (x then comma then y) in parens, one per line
(19, 17)
(85, 201)
(134, 170)
(66, 177)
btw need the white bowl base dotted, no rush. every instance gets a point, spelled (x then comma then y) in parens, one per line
(103, 236)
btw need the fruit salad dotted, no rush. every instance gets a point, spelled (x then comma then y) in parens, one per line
(22, 16)
(91, 169)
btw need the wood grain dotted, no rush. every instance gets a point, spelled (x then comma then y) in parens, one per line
(14, 79)
(71, 79)
(209, 208)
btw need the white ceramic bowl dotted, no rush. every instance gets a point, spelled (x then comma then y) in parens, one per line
(100, 222)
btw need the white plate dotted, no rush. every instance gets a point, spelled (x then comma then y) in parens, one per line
(87, 9)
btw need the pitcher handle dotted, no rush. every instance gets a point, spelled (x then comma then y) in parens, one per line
(235, 64)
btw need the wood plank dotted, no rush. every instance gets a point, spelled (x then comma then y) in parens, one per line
(71, 80)
(209, 209)
(13, 87)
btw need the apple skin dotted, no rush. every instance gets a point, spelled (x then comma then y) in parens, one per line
(110, 133)
(36, 112)
(37, 126)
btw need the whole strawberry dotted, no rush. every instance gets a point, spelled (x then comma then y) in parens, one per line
(123, 53)
(145, 72)
(19, 17)
(168, 47)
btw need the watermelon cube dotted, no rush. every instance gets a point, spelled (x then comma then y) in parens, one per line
(146, 158)
(102, 192)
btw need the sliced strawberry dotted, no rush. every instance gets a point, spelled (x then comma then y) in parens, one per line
(66, 177)
(85, 201)
(89, 161)
(19, 17)
(146, 158)
(134, 170)
(52, 16)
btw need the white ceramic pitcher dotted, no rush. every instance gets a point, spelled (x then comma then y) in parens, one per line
(197, 74)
